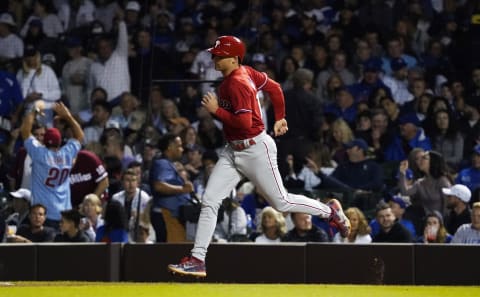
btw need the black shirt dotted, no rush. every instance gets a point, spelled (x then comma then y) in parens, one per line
(47, 234)
(79, 237)
(313, 235)
(398, 233)
(453, 221)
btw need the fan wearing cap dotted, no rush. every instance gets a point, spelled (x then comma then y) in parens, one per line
(397, 81)
(470, 176)
(369, 82)
(396, 49)
(398, 204)
(21, 206)
(412, 134)
(360, 173)
(469, 233)
(458, 197)
(51, 163)
(11, 46)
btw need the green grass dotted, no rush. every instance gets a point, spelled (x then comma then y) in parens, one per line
(82, 289)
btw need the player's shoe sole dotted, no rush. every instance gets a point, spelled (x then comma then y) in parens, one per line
(339, 219)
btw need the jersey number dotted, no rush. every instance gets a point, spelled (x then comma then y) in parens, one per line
(56, 177)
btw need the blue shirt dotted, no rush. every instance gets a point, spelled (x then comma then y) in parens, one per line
(115, 235)
(164, 171)
(10, 94)
(51, 175)
(395, 151)
(469, 177)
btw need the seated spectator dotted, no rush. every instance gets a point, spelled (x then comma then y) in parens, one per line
(304, 230)
(434, 231)
(344, 105)
(458, 197)
(273, 226)
(143, 235)
(390, 230)
(253, 204)
(69, 226)
(411, 136)
(91, 209)
(469, 233)
(470, 176)
(36, 231)
(360, 232)
(115, 228)
(22, 198)
(233, 226)
(399, 204)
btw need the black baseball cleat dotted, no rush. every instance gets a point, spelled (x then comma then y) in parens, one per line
(189, 266)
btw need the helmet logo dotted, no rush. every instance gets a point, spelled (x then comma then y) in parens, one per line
(217, 43)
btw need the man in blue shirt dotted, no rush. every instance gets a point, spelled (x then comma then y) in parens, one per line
(10, 103)
(170, 189)
(470, 176)
(51, 162)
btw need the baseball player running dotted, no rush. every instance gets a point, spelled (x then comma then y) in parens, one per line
(250, 152)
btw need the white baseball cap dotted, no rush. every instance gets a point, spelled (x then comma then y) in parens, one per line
(460, 191)
(6, 18)
(133, 5)
(22, 193)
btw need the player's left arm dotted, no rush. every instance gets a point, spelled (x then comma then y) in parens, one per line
(63, 112)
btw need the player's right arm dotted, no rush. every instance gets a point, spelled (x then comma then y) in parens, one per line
(27, 123)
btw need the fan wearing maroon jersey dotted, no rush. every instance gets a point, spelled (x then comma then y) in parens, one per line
(250, 152)
(88, 176)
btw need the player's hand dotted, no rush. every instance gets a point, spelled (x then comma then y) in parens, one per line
(210, 102)
(280, 127)
(61, 110)
(403, 166)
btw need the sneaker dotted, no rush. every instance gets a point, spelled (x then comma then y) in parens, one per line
(338, 219)
(189, 266)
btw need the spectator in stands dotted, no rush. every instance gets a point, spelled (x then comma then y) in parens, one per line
(110, 70)
(458, 197)
(70, 228)
(369, 81)
(360, 173)
(341, 134)
(390, 230)
(344, 105)
(43, 10)
(360, 232)
(173, 121)
(395, 50)
(38, 82)
(304, 120)
(91, 209)
(399, 205)
(304, 230)
(435, 231)
(447, 139)
(51, 162)
(133, 199)
(11, 46)
(11, 105)
(88, 176)
(470, 176)
(202, 66)
(233, 226)
(128, 114)
(170, 191)
(392, 108)
(74, 76)
(469, 233)
(288, 66)
(426, 192)
(35, 231)
(22, 199)
(273, 226)
(338, 67)
(253, 204)
(115, 227)
(397, 82)
(101, 114)
(411, 136)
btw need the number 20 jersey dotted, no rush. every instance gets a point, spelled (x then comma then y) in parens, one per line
(50, 175)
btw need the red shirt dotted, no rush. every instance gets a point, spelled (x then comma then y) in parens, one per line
(86, 173)
(239, 108)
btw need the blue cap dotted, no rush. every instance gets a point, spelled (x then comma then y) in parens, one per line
(409, 118)
(397, 199)
(372, 65)
(357, 142)
(397, 64)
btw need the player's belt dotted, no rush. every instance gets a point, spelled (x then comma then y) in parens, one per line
(240, 145)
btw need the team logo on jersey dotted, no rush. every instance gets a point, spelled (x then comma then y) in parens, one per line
(224, 104)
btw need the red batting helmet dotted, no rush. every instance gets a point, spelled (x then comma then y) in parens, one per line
(228, 46)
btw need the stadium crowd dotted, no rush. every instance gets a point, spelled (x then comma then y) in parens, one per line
(382, 101)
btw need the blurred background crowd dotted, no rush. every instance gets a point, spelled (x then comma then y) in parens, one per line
(382, 102)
